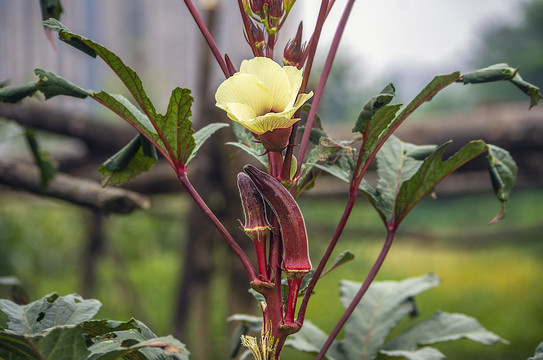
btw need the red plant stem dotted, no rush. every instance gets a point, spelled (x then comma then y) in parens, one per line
(246, 20)
(356, 300)
(323, 11)
(251, 273)
(209, 39)
(322, 81)
(260, 246)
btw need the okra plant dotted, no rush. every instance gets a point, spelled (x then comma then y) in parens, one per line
(266, 101)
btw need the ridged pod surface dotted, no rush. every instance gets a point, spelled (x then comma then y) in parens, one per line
(296, 262)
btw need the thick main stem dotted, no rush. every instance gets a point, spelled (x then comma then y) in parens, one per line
(251, 273)
(356, 300)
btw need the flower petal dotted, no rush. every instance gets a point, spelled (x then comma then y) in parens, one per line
(240, 112)
(273, 76)
(244, 89)
(295, 79)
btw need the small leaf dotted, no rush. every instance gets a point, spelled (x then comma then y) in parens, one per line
(50, 311)
(342, 258)
(497, 72)
(444, 327)
(201, 136)
(18, 292)
(503, 174)
(254, 323)
(13, 94)
(500, 72)
(370, 108)
(425, 353)
(135, 158)
(60, 343)
(51, 85)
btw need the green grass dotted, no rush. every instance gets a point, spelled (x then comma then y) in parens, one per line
(492, 273)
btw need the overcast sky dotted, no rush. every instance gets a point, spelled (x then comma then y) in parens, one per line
(430, 33)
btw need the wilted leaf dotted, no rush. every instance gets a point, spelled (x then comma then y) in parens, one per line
(13, 94)
(51, 85)
(444, 327)
(50, 311)
(500, 72)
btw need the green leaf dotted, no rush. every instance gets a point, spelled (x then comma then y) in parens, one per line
(441, 327)
(176, 128)
(18, 293)
(137, 157)
(61, 343)
(538, 355)
(50, 311)
(430, 173)
(383, 306)
(497, 72)
(501, 72)
(51, 9)
(131, 345)
(51, 85)
(13, 94)
(201, 136)
(531, 90)
(251, 151)
(310, 339)
(47, 168)
(408, 172)
(341, 259)
(503, 174)
(425, 353)
(370, 108)
(10, 130)
(128, 76)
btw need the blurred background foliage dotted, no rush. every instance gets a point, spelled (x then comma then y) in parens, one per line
(490, 273)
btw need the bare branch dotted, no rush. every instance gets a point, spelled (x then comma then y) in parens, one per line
(78, 191)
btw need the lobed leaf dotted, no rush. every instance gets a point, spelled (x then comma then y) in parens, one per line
(61, 343)
(383, 306)
(175, 126)
(50, 311)
(441, 327)
(425, 353)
